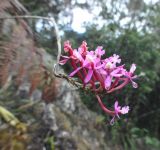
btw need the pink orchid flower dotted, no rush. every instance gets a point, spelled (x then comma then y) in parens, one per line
(91, 63)
(130, 75)
(99, 52)
(75, 55)
(91, 68)
(119, 110)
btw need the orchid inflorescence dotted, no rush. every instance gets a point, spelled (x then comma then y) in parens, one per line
(102, 75)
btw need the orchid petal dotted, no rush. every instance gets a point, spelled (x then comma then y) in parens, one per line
(99, 52)
(108, 82)
(77, 55)
(116, 108)
(133, 68)
(99, 67)
(67, 46)
(116, 73)
(89, 75)
(75, 71)
(124, 110)
(65, 59)
(102, 72)
(116, 105)
(85, 63)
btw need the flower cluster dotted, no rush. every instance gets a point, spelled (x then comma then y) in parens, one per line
(101, 74)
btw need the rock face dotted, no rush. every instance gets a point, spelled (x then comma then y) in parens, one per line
(61, 123)
(73, 124)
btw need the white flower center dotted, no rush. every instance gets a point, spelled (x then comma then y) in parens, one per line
(109, 65)
(90, 58)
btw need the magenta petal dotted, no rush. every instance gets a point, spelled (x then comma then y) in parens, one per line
(77, 55)
(85, 63)
(117, 108)
(75, 71)
(89, 75)
(116, 105)
(99, 67)
(103, 72)
(116, 74)
(108, 82)
(99, 51)
(62, 62)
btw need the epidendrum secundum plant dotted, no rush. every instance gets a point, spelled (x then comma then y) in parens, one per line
(102, 75)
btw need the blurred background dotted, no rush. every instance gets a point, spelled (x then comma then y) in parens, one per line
(39, 111)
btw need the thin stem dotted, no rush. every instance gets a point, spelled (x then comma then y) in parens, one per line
(112, 113)
(119, 87)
